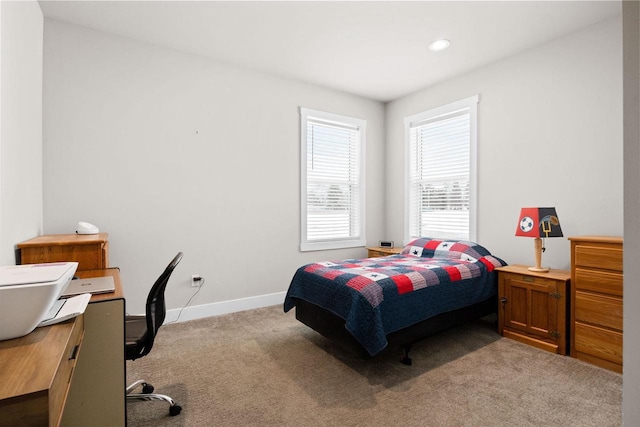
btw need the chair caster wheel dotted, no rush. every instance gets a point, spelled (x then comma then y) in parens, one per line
(174, 410)
(147, 388)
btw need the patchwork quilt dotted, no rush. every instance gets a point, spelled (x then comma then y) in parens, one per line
(378, 296)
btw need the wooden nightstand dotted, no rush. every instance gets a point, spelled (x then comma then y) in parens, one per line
(378, 251)
(532, 307)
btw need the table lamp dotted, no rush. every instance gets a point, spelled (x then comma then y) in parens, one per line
(538, 223)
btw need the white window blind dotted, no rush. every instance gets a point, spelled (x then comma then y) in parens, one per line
(440, 193)
(332, 180)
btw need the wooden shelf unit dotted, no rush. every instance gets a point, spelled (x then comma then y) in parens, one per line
(91, 251)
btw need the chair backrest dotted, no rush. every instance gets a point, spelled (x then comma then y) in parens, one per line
(156, 308)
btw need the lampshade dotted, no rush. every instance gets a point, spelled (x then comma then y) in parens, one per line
(538, 223)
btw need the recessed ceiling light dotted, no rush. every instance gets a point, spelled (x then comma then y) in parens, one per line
(438, 45)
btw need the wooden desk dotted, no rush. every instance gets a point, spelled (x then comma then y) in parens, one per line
(36, 371)
(97, 394)
(46, 381)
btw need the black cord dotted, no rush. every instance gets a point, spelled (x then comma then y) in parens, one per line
(189, 302)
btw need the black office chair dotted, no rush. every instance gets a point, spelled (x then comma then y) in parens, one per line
(140, 332)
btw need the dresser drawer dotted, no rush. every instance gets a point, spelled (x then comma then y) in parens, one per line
(598, 257)
(598, 281)
(89, 257)
(598, 342)
(599, 310)
(60, 384)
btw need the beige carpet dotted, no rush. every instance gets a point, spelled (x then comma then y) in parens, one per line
(264, 368)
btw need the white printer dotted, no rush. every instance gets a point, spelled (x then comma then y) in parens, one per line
(27, 292)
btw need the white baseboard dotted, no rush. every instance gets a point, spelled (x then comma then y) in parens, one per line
(223, 307)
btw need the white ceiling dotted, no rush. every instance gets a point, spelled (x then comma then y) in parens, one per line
(378, 50)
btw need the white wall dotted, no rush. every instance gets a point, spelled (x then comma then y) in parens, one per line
(20, 125)
(170, 152)
(631, 368)
(549, 134)
(126, 85)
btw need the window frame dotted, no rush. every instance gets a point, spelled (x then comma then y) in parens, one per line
(411, 122)
(352, 241)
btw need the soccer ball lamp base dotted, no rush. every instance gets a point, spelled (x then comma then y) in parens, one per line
(537, 242)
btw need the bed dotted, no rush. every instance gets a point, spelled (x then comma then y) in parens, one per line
(372, 303)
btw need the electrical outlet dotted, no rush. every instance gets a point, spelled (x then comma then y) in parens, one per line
(196, 280)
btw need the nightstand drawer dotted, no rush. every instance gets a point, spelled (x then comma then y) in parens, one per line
(598, 281)
(598, 257)
(598, 342)
(598, 309)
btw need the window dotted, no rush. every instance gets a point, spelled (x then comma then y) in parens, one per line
(332, 173)
(440, 188)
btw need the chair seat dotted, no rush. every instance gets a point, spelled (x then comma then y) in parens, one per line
(135, 336)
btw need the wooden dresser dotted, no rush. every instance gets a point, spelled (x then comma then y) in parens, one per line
(90, 250)
(596, 300)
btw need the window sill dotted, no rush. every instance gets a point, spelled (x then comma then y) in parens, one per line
(324, 246)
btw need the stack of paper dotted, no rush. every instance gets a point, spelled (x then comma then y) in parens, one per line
(65, 309)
